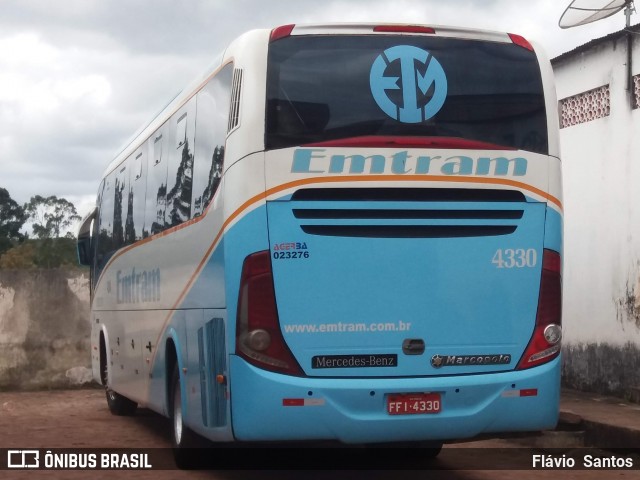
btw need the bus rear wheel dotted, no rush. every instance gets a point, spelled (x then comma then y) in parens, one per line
(183, 440)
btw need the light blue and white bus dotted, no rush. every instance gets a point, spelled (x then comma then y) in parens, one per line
(340, 232)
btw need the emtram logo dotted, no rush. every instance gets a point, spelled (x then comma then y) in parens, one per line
(411, 60)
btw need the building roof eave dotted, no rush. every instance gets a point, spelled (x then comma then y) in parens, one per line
(634, 29)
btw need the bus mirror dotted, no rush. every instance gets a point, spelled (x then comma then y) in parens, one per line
(84, 251)
(84, 238)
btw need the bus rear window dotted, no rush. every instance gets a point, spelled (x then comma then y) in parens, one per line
(327, 88)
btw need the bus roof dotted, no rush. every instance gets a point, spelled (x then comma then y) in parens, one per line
(398, 29)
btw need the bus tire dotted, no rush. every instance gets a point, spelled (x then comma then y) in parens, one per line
(120, 405)
(183, 440)
(429, 449)
(424, 450)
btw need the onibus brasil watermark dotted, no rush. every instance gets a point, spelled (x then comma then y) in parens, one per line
(48, 460)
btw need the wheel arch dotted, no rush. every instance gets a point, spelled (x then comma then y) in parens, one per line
(105, 356)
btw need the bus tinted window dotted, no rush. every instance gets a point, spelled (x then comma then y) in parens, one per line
(180, 173)
(156, 195)
(323, 88)
(138, 191)
(211, 129)
(105, 227)
(120, 207)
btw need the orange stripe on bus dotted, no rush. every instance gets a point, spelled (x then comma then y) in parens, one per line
(417, 178)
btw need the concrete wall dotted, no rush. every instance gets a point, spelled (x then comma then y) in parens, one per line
(601, 162)
(44, 329)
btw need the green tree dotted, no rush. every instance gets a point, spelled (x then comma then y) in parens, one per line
(12, 218)
(50, 215)
(50, 218)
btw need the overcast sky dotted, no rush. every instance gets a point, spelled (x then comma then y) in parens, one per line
(79, 77)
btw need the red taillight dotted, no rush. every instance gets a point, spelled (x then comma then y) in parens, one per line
(520, 41)
(403, 29)
(258, 336)
(544, 345)
(281, 32)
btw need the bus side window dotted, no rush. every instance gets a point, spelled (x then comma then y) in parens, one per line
(156, 191)
(104, 246)
(120, 205)
(211, 128)
(180, 173)
(138, 180)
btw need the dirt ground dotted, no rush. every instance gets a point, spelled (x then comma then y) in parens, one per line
(74, 419)
(79, 419)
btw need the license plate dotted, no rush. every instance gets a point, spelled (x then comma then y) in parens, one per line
(413, 403)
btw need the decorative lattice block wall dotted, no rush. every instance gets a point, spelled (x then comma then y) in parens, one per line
(587, 106)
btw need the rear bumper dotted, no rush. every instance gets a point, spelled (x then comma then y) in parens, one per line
(354, 410)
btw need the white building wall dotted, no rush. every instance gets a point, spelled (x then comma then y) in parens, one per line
(601, 162)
